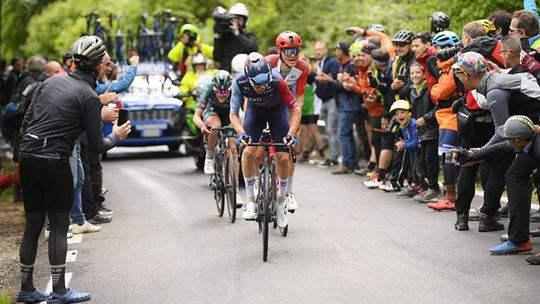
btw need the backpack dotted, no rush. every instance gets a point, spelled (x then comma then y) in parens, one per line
(488, 47)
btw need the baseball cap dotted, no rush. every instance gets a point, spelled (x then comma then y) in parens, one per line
(344, 46)
(519, 126)
(472, 63)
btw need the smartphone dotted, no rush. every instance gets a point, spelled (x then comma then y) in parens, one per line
(401, 77)
(350, 32)
(122, 117)
(524, 42)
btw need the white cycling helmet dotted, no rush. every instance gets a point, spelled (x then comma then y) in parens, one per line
(238, 62)
(239, 9)
(198, 59)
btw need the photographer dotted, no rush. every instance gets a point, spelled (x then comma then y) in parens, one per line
(230, 38)
(189, 45)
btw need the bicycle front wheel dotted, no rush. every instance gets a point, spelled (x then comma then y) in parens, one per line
(266, 211)
(219, 191)
(230, 185)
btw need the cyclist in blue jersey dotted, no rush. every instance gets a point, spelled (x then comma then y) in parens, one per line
(269, 100)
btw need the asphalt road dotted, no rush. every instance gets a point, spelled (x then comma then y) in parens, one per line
(346, 244)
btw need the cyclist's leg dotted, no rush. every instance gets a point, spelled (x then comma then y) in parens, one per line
(212, 119)
(254, 124)
(279, 127)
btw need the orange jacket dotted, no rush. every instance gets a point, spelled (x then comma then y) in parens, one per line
(445, 89)
(372, 100)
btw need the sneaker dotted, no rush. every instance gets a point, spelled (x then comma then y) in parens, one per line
(342, 169)
(208, 165)
(441, 205)
(534, 259)
(328, 164)
(35, 296)
(474, 214)
(100, 219)
(292, 205)
(361, 171)
(70, 296)
(389, 187)
(250, 211)
(407, 192)
(47, 233)
(282, 215)
(239, 200)
(372, 183)
(420, 196)
(462, 222)
(105, 211)
(372, 175)
(508, 247)
(489, 223)
(431, 196)
(85, 228)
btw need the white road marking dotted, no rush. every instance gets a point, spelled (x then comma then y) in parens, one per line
(71, 256)
(76, 239)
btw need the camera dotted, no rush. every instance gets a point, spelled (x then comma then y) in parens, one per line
(446, 54)
(192, 38)
(222, 20)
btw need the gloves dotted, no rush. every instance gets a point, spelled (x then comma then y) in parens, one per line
(243, 139)
(529, 64)
(205, 130)
(291, 140)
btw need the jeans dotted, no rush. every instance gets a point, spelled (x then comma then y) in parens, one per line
(76, 213)
(519, 187)
(330, 115)
(346, 138)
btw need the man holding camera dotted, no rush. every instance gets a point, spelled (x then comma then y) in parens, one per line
(230, 38)
(189, 45)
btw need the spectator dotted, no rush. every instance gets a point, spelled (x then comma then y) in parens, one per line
(327, 72)
(424, 53)
(309, 135)
(53, 68)
(45, 149)
(12, 79)
(501, 20)
(189, 45)
(439, 22)
(405, 57)
(525, 24)
(408, 138)
(384, 41)
(236, 41)
(423, 111)
(348, 107)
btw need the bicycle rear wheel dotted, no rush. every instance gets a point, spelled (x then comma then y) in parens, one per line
(266, 211)
(219, 191)
(230, 185)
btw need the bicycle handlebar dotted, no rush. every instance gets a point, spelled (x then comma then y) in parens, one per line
(292, 151)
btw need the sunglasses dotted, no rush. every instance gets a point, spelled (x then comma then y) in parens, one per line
(219, 91)
(290, 52)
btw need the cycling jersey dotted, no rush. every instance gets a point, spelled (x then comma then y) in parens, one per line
(295, 78)
(209, 103)
(276, 93)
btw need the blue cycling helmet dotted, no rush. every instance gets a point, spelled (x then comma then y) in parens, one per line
(257, 70)
(445, 39)
(376, 26)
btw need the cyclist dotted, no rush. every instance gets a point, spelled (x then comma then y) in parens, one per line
(439, 22)
(268, 98)
(295, 72)
(213, 112)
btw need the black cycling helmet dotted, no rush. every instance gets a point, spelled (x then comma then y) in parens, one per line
(403, 36)
(88, 51)
(257, 70)
(439, 22)
(222, 80)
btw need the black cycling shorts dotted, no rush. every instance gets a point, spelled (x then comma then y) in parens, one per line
(309, 119)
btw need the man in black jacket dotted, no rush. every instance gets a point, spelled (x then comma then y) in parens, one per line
(62, 108)
(236, 41)
(517, 136)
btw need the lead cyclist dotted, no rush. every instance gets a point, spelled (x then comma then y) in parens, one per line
(269, 100)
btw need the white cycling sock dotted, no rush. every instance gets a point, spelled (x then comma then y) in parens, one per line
(290, 184)
(282, 187)
(250, 188)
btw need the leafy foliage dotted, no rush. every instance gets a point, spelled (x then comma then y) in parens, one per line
(49, 27)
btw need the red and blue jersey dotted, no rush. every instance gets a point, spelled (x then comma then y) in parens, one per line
(296, 78)
(277, 92)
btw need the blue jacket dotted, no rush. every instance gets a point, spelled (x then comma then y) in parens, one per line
(325, 91)
(410, 135)
(347, 101)
(120, 85)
